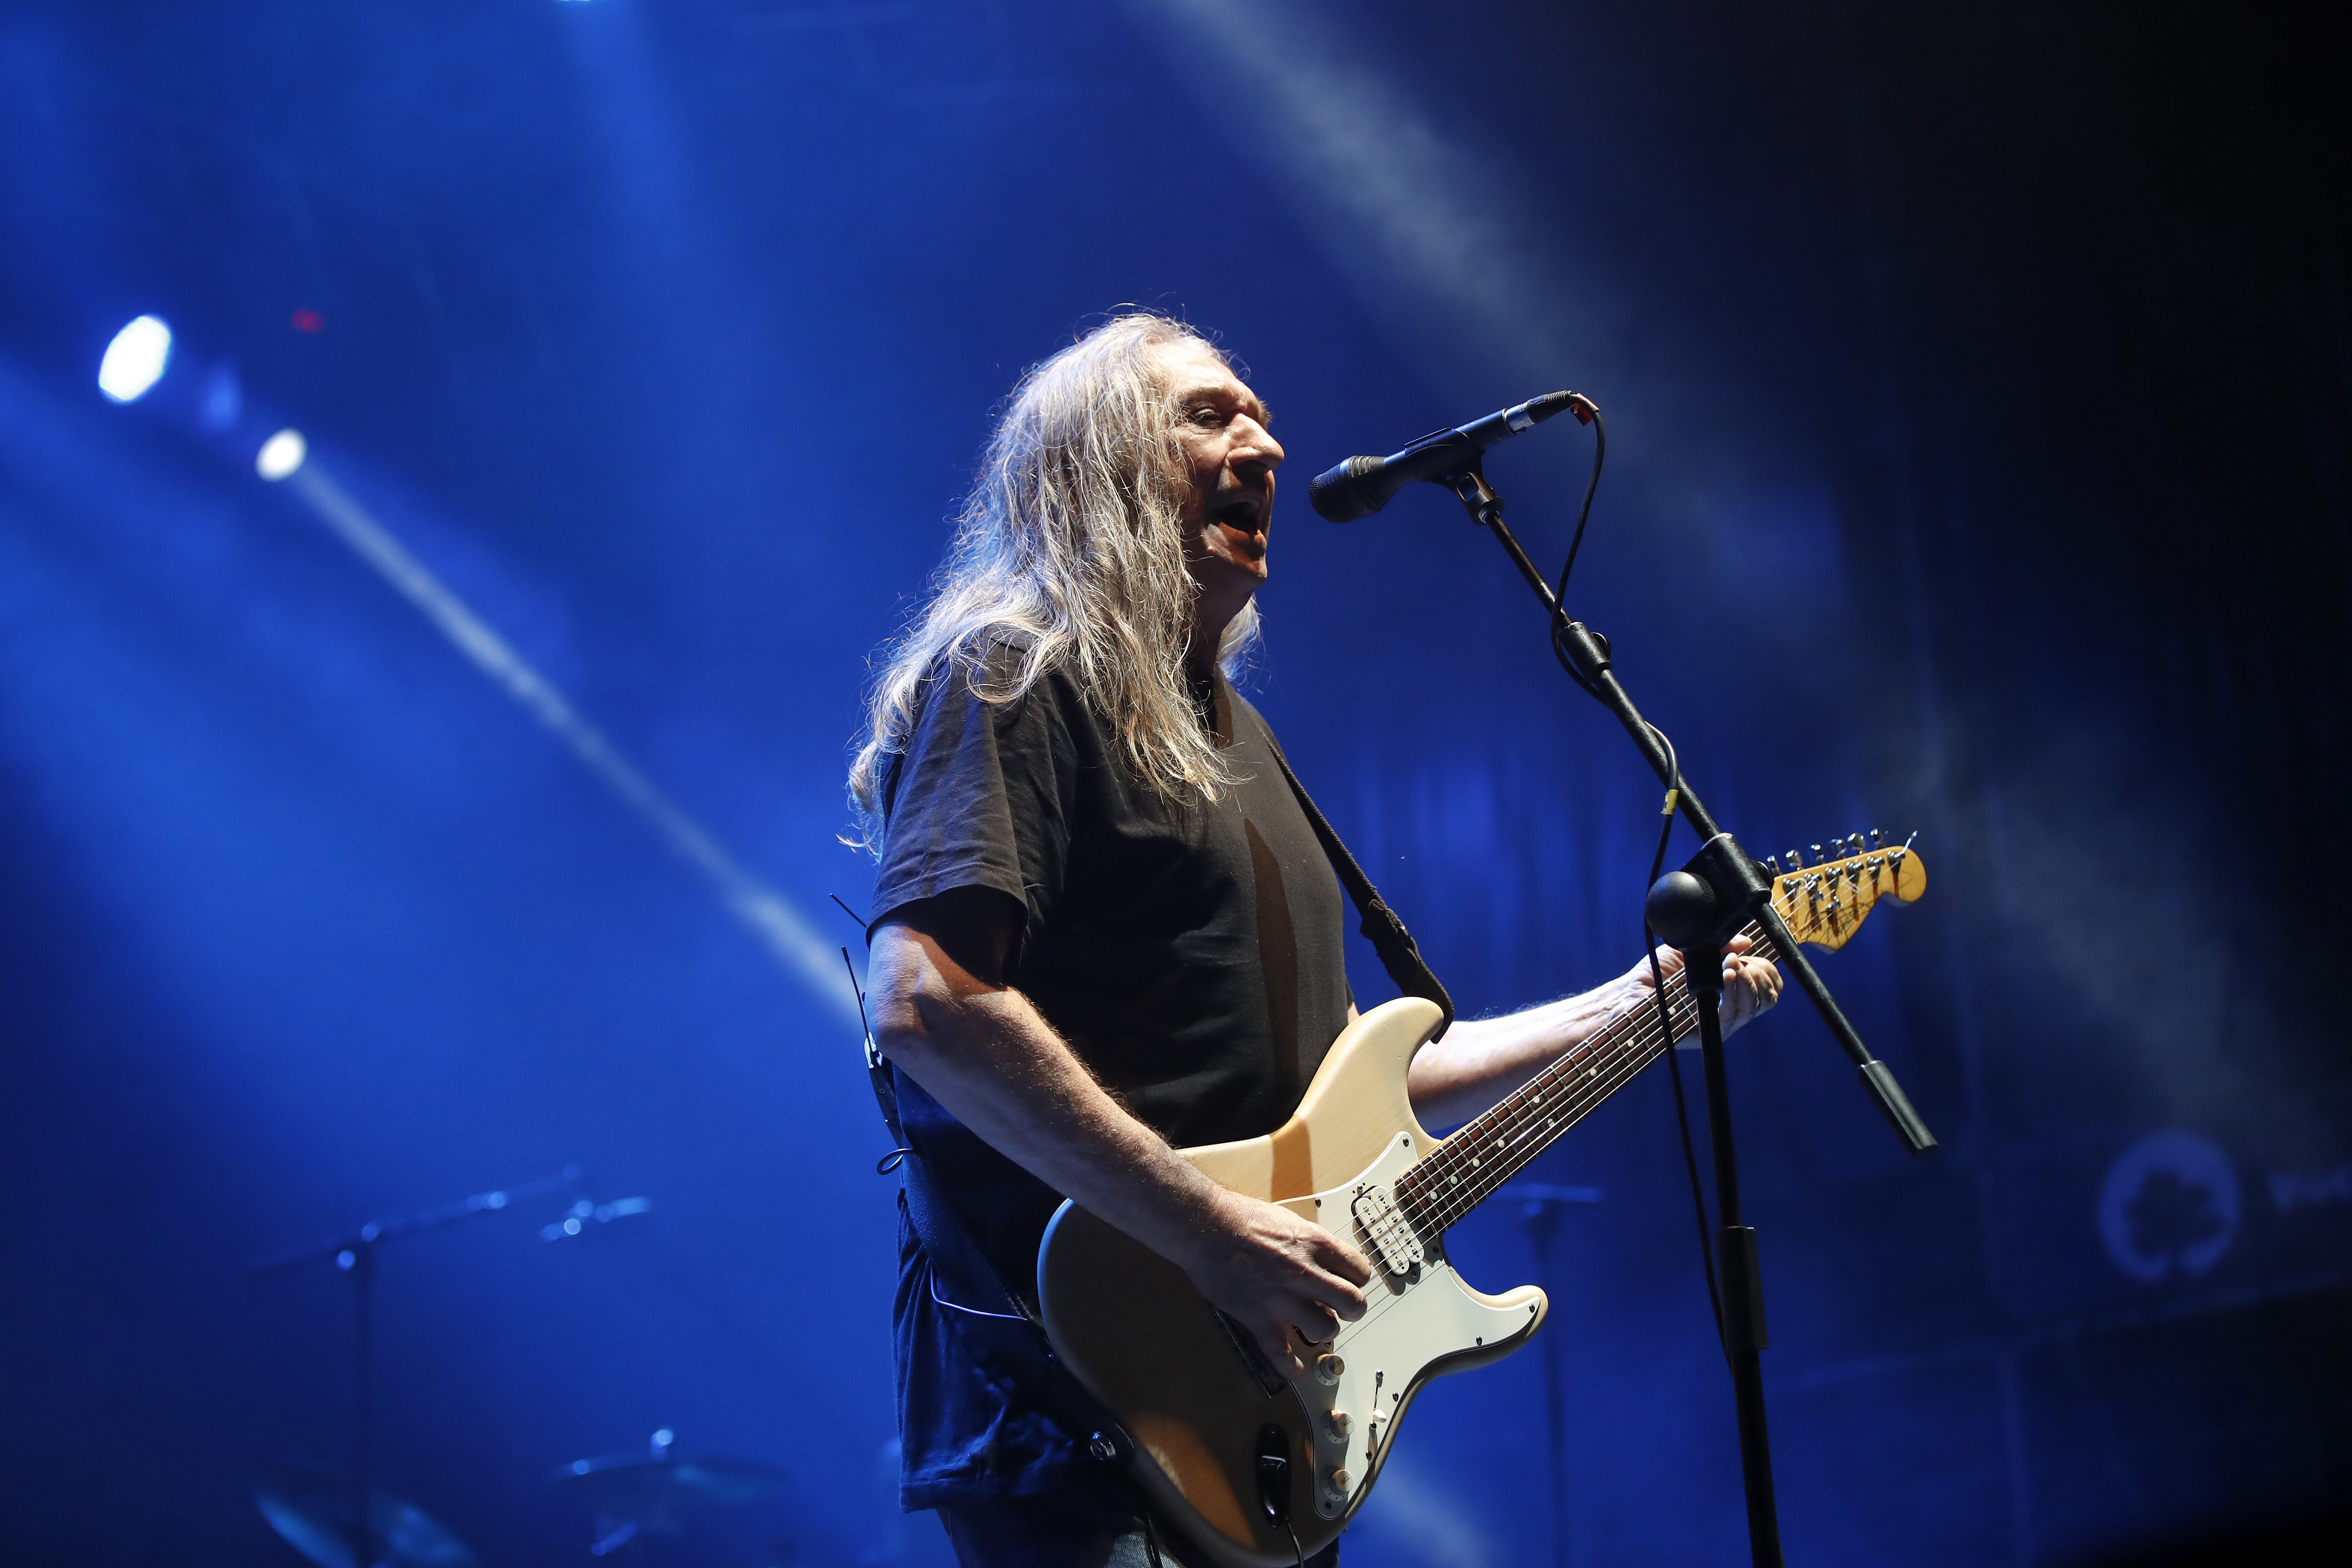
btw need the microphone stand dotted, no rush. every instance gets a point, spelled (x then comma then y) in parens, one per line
(1697, 909)
(354, 1254)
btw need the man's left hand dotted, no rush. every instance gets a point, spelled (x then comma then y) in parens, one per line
(1750, 985)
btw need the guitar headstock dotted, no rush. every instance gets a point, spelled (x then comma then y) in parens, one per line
(1825, 904)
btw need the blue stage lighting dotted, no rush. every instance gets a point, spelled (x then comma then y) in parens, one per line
(135, 359)
(224, 398)
(280, 455)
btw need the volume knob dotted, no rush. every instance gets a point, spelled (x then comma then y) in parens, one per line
(1336, 1422)
(1341, 1480)
(1328, 1369)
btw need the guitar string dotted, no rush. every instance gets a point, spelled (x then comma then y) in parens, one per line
(1627, 1064)
(1622, 1070)
(1510, 1134)
(1627, 1052)
(1631, 1053)
(1502, 1133)
(1478, 1155)
(1540, 1113)
(1439, 1208)
(1634, 1027)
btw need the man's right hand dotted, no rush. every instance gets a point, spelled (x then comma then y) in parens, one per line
(943, 1013)
(1288, 1280)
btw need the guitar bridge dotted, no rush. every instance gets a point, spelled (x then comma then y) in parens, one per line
(1390, 1233)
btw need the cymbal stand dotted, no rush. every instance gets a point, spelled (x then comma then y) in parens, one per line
(1541, 1206)
(354, 1255)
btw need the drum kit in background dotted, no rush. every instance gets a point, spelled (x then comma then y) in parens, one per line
(631, 1501)
(342, 1518)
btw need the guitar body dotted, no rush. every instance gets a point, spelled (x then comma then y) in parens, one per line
(1253, 1469)
(1257, 1471)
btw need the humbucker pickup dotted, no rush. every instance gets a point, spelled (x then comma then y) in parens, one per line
(1389, 1230)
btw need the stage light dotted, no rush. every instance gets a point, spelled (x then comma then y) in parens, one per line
(280, 455)
(135, 359)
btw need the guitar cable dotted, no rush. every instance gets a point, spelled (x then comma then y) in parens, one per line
(1674, 1066)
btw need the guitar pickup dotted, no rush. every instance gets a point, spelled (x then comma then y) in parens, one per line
(1390, 1233)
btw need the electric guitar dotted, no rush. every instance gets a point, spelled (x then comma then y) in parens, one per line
(1258, 1471)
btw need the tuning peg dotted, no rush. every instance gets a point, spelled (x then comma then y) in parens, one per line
(1818, 857)
(1772, 864)
(1796, 859)
(1878, 839)
(1854, 844)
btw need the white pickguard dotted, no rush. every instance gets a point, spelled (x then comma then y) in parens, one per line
(1411, 1328)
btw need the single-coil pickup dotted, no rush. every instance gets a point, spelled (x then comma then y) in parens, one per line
(1390, 1231)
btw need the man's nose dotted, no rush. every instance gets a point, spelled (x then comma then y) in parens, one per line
(1257, 448)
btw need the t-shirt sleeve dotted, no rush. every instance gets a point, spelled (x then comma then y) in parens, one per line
(981, 798)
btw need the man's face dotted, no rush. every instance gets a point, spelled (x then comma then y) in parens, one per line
(1230, 460)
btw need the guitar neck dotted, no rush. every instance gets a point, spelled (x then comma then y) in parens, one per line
(1467, 1167)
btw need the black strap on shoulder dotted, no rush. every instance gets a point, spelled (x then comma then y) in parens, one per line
(1399, 954)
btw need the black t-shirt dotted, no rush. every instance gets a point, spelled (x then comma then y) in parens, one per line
(1190, 952)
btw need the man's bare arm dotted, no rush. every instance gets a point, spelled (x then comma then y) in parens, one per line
(1480, 1061)
(943, 1014)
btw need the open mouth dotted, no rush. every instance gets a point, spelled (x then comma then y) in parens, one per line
(1243, 514)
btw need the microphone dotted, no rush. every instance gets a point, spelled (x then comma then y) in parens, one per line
(1362, 486)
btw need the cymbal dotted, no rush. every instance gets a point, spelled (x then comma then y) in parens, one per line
(311, 1506)
(634, 1485)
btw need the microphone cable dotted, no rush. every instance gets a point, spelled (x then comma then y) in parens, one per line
(1584, 512)
(1559, 619)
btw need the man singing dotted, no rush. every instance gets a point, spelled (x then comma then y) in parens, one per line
(1104, 928)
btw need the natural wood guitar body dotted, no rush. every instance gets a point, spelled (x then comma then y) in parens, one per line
(1131, 1328)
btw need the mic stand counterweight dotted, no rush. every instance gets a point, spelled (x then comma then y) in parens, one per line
(1697, 909)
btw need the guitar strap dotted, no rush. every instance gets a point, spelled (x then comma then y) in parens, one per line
(1399, 954)
(997, 1325)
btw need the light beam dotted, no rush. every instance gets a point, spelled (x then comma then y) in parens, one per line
(759, 907)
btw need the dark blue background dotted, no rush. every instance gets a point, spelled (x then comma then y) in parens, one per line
(1978, 383)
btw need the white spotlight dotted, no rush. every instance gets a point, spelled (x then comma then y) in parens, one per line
(280, 455)
(135, 359)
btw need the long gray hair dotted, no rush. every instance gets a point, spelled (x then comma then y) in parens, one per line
(1072, 533)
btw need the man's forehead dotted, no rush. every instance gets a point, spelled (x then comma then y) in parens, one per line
(1193, 366)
